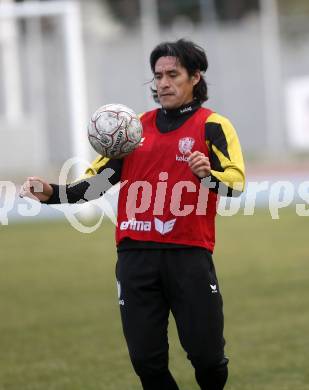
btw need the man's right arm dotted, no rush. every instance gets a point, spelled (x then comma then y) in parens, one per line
(98, 178)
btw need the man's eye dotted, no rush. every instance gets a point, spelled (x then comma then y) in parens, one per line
(157, 76)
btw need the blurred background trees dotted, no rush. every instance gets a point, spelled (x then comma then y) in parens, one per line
(128, 11)
(227, 10)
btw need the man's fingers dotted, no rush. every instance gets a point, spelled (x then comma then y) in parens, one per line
(203, 160)
(27, 194)
(35, 186)
(200, 164)
(198, 159)
(24, 189)
(31, 186)
(202, 173)
(195, 155)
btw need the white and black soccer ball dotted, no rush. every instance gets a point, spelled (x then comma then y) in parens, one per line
(114, 130)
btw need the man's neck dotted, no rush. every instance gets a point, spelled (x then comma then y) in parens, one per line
(169, 120)
(182, 110)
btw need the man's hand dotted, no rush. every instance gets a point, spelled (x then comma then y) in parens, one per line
(36, 188)
(199, 164)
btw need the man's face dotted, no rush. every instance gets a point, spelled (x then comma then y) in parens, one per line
(174, 85)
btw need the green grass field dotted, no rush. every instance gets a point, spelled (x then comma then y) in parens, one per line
(59, 318)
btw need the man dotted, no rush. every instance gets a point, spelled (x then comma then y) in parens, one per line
(165, 250)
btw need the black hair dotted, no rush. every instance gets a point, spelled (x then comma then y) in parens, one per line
(190, 56)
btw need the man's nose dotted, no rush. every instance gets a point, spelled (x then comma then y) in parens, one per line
(164, 82)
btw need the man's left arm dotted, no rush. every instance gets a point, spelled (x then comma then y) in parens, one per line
(225, 156)
(224, 169)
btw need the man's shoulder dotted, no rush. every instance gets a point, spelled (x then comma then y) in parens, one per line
(219, 119)
(147, 114)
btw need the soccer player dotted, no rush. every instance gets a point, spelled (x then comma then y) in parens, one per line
(165, 250)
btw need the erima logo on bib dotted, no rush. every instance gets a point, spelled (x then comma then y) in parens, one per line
(164, 227)
(146, 226)
(136, 225)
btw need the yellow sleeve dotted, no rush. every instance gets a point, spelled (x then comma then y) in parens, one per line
(226, 157)
(95, 167)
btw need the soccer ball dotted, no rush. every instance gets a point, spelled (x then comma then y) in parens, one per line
(114, 130)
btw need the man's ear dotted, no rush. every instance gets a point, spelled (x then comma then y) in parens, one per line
(196, 77)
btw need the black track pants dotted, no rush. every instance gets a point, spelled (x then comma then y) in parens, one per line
(152, 282)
